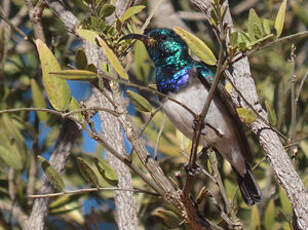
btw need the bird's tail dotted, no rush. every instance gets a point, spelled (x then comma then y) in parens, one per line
(249, 188)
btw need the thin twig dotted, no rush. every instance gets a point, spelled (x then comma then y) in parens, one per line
(87, 190)
(151, 90)
(301, 86)
(19, 31)
(147, 21)
(95, 136)
(158, 137)
(59, 113)
(253, 109)
(294, 148)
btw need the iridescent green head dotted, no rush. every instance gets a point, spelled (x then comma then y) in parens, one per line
(164, 46)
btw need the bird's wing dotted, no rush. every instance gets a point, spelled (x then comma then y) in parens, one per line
(224, 98)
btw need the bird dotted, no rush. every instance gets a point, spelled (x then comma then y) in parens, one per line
(188, 81)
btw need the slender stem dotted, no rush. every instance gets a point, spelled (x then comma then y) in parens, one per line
(151, 90)
(158, 137)
(254, 110)
(293, 100)
(94, 135)
(87, 190)
(19, 31)
(147, 22)
(301, 86)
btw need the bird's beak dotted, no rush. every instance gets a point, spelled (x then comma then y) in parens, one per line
(147, 40)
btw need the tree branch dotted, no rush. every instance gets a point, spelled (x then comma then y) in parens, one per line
(285, 173)
(68, 134)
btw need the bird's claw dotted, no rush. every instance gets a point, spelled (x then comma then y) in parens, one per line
(192, 171)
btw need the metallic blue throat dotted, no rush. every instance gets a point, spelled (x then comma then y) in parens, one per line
(168, 82)
(179, 80)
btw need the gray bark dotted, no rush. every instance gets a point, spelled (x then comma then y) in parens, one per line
(68, 135)
(285, 172)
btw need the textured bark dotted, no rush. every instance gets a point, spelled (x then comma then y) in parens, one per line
(166, 16)
(126, 207)
(16, 212)
(126, 215)
(285, 172)
(68, 135)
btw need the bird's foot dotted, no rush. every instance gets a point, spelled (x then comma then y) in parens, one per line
(192, 171)
(196, 125)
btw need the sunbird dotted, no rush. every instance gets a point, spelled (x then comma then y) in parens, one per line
(188, 81)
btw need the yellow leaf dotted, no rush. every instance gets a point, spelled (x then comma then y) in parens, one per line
(246, 115)
(57, 90)
(112, 58)
(197, 46)
(75, 74)
(228, 87)
(89, 35)
(139, 101)
(255, 218)
(130, 12)
(279, 22)
(38, 100)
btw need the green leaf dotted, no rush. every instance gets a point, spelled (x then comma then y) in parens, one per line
(255, 219)
(112, 58)
(89, 35)
(243, 41)
(75, 74)
(87, 172)
(255, 29)
(38, 100)
(271, 113)
(170, 219)
(81, 59)
(246, 115)
(269, 216)
(142, 67)
(11, 157)
(107, 10)
(267, 24)
(285, 203)
(139, 101)
(233, 39)
(52, 175)
(197, 46)
(131, 12)
(57, 90)
(279, 22)
(74, 105)
(107, 172)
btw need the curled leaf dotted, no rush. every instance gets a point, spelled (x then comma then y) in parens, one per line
(279, 22)
(81, 59)
(75, 74)
(170, 219)
(87, 172)
(139, 101)
(107, 172)
(52, 175)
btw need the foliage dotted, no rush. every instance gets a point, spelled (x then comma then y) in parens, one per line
(35, 77)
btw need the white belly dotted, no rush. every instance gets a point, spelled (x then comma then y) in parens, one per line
(194, 97)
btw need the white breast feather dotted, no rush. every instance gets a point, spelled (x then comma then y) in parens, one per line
(194, 97)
